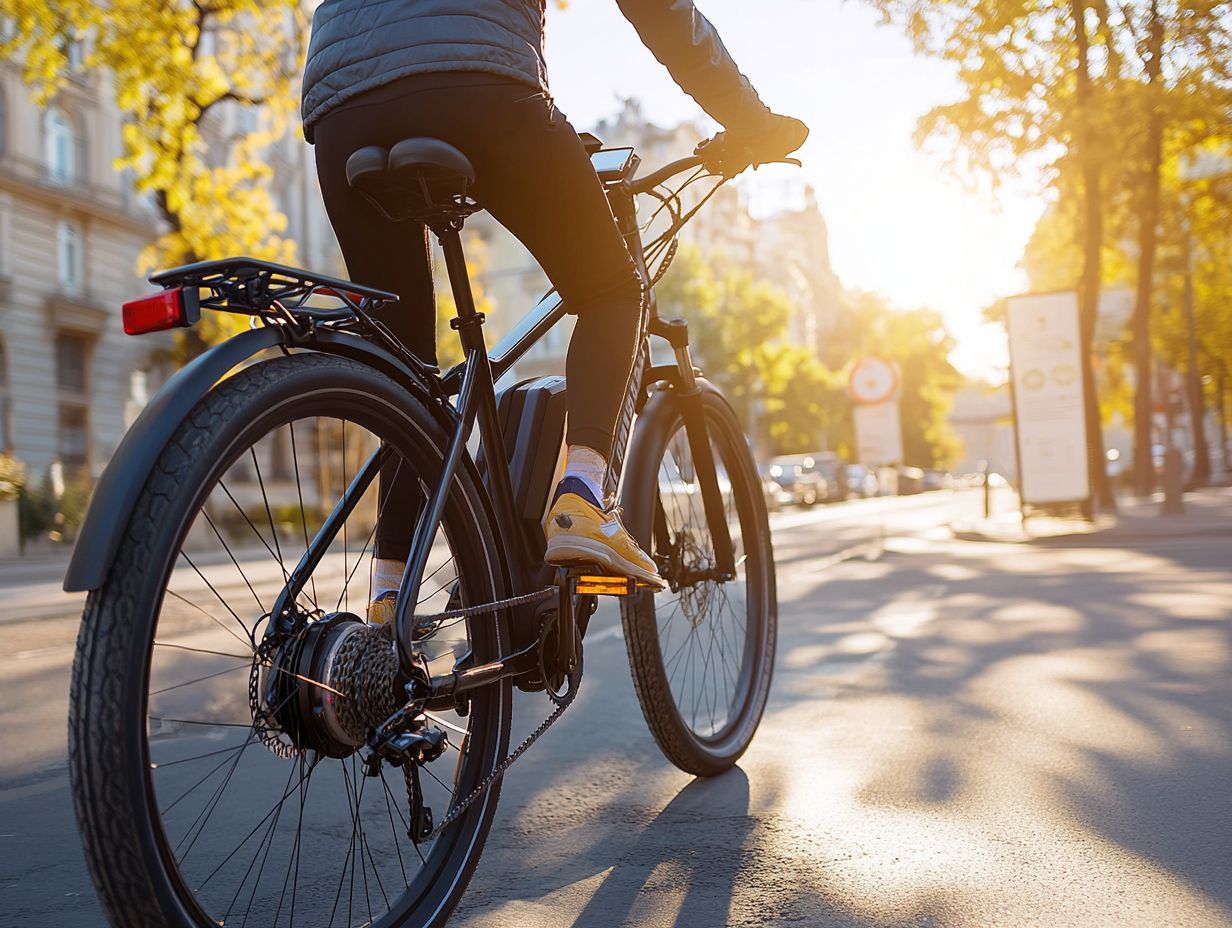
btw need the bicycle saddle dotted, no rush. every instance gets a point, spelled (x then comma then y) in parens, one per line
(420, 179)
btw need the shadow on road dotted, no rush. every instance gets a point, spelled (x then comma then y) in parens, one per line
(1062, 711)
(679, 845)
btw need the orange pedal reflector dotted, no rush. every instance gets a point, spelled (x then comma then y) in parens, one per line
(599, 585)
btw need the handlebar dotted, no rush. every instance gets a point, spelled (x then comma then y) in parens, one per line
(653, 179)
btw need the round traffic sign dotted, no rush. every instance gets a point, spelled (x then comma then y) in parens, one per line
(873, 380)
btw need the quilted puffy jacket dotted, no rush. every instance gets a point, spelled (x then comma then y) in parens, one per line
(357, 45)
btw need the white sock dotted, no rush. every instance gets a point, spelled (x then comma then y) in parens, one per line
(386, 576)
(589, 466)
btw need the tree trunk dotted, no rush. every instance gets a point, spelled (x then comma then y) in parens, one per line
(1092, 241)
(1148, 223)
(1193, 377)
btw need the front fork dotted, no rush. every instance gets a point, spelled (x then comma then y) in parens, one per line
(692, 410)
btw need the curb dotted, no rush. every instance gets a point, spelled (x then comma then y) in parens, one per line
(1096, 538)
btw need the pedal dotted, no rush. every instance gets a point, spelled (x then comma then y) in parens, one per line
(604, 585)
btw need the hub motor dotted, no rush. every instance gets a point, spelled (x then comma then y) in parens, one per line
(327, 687)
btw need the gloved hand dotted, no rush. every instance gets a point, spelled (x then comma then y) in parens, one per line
(770, 138)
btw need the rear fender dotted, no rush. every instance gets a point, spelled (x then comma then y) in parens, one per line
(126, 474)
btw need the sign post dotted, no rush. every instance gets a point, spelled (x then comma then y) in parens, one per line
(1046, 388)
(873, 386)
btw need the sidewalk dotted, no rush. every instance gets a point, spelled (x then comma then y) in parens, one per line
(43, 567)
(1208, 512)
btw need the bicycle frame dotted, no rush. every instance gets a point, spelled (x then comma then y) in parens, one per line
(472, 382)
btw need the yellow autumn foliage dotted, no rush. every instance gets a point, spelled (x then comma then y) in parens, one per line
(170, 65)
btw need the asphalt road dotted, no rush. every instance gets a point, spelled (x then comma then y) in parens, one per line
(959, 733)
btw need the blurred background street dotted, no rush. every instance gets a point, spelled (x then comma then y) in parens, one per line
(979, 342)
(960, 732)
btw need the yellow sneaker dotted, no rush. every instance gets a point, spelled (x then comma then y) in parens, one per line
(580, 532)
(384, 609)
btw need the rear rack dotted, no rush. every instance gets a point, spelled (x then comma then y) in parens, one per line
(247, 285)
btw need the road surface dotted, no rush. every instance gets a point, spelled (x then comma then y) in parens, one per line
(959, 733)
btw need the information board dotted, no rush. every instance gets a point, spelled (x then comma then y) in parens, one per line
(879, 434)
(1049, 414)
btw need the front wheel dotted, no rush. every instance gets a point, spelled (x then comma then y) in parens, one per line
(701, 652)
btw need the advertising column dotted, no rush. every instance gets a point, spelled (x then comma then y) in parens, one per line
(1049, 415)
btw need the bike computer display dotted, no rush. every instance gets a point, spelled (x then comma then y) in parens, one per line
(614, 163)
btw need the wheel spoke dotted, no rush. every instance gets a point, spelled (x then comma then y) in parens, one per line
(226, 547)
(260, 837)
(702, 667)
(303, 514)
(213, 618)
(218, 595)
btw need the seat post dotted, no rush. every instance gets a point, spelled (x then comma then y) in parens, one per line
(469, 321)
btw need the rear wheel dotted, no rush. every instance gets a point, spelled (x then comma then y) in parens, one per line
(219, 774)
(702, 652)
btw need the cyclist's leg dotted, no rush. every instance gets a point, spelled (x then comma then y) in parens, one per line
(394, 257)
(539, 183)
(534, 175)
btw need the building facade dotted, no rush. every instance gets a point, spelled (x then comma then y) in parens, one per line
(71, 232)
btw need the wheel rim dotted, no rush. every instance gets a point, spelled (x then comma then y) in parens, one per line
(255, 828)
(708, 636)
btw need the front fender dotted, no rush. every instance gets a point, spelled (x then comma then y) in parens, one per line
(126, 474)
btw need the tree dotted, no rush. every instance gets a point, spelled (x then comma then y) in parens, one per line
(170, 66)
(790, 400)
(1037, 79)
(738, 329)
(1175, 93)
(919, 343)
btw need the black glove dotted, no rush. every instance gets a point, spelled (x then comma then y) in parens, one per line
(771, 138)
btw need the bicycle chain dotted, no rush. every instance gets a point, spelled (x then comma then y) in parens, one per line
(562, 703)
(453, 814)
(467, 611)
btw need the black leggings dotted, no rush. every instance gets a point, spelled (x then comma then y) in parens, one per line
(534, 176)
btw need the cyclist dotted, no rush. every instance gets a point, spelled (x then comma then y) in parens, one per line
(472, 72)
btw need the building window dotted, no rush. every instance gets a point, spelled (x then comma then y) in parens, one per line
(73, 438)
(74, 52)
(68, 257)
(60, 143)
(73, 382)
(72, 355)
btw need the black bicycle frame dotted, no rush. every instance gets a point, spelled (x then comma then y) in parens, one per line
(473, 383)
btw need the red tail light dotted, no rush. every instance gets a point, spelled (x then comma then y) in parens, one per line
(171, 309)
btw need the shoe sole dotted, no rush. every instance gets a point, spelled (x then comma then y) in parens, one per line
(572, 551)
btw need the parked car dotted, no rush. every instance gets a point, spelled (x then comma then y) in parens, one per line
(776, 495)
(803, 486)
(861, 481)
(832, 470)
(910, 481)
(937, 480)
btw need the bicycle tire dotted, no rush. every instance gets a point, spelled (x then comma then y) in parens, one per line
(126, 849)
(693, 751)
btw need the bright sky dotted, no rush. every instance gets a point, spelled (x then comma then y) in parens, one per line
(899, 223)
